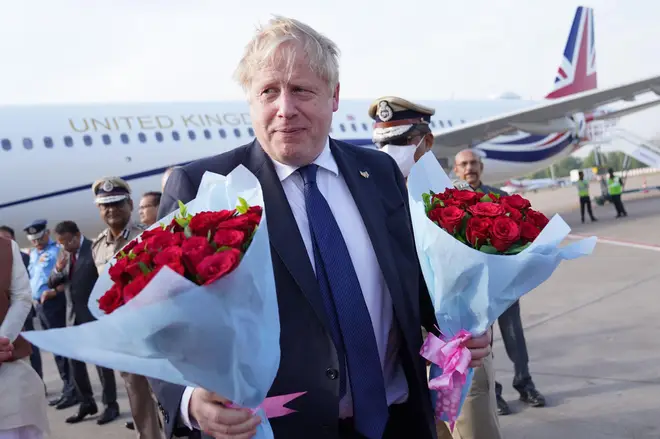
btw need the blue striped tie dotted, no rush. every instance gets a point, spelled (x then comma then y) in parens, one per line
(351, 321)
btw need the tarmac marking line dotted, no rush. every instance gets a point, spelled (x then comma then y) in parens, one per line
(619, 242)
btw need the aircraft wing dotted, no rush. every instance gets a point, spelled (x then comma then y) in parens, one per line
(548, 117)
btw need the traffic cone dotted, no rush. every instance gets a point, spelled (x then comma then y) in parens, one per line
(644, 189)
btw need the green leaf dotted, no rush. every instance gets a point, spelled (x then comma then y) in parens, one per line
(489, 249)
(486, 199)
(208, 236)
(143, 268)
(243, 206)
(163, 226)
(183, 210)
(493, 194)
(131, 255)
(181, 221)
(187, 232)
(223, 248)
(121, 255)
(515, 249)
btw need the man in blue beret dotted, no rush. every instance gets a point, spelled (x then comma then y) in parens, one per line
(50, 304)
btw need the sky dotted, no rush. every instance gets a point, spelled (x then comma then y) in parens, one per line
(170, 50)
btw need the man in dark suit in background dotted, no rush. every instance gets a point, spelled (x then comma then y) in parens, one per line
(76, 272)
(343, 255)
(35, 356)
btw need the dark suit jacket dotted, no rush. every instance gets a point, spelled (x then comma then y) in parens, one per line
(308, 355)
(79, 286)
(26, 259)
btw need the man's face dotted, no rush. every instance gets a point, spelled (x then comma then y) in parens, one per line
(291, 112)
(116, 215)
(41, 243)
(468, 167)
(148, 210)
(5, 234)
(70, 241)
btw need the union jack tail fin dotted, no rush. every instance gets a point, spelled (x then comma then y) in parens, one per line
(577, 71)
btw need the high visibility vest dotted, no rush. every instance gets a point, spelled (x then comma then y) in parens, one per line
(583, 188)
(614, 186)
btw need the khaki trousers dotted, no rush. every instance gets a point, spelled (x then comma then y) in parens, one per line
(478, 418)
(143, 407)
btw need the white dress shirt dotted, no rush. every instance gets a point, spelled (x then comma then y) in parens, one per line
(372, 283)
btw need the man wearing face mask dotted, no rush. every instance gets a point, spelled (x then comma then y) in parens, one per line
(402, 130)
(469, 167)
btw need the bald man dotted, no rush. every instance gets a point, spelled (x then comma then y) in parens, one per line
(468, 166)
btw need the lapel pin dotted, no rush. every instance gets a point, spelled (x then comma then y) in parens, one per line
(364, 174)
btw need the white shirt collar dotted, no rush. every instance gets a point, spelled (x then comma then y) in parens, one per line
(324, 160)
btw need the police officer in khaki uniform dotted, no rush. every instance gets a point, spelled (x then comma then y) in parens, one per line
(402, 130)
(115, 206)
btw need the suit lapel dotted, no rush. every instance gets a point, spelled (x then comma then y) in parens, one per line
(285, 238)
(368, 198)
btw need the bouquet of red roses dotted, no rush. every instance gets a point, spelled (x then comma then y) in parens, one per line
(489, 223)
(202, 248)
(479, 253)
(191, 301)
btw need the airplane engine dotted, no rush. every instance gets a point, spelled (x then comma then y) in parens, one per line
(580, 128)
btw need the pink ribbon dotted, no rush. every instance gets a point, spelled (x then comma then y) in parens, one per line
(453, 358)
(273, 406)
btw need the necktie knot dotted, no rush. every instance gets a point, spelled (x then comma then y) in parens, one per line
(308, 173)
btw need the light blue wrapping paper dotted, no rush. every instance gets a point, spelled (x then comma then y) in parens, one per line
(470, 289)
(223, 337)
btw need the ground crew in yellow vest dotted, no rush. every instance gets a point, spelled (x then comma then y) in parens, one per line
(402, 130)
(614, 189)
(583, 193)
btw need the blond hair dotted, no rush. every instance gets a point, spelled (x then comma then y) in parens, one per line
(282, 33)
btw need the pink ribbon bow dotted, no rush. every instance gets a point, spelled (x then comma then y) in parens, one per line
(274, 406)
(453, 358)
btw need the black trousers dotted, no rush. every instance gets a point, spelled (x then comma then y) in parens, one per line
(586, 202)
(513, 337)
(84, 387)
(618, 205)
(52, 314)
(401, 425)
(35, 357)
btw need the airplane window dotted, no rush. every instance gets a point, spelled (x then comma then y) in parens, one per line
(365, 127)
(251, 132)
(124, 138)
(237, 132)
(432, 124)
(106, 139)
(27, 143)
(207, 134)
(462, 120)
(48, 142)
(175, 135)
(342, 127)
(354, 127)
(222, 133)
(191, 135)
(159, 136)
(87, 140)
(6, 144)
(68, 141)
(142, 137)
(449, 123)
(440, 124)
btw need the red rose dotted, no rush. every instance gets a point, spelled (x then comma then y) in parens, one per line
(451, 218)
(434, 215)
(117, 272)
(254, 215)
(195, 249)
(504, 233)
(537, 218)
(514, 214)
(203, 222)
(467, 198)
(494, 197)
(452, 202)
(171, 257)
(477, 230)
(128, 247)
(134, 269)
(528, 231)
(228, 238)
(515, 201)
(218, 265)
(487, 209)
(240, 222)
(111, 300)
(161, 240)
(134, 288)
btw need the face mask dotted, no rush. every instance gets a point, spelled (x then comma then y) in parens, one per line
(404, 156)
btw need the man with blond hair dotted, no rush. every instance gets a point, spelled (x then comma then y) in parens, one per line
(342, 254)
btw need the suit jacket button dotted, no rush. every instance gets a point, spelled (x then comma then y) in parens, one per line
(332, 373)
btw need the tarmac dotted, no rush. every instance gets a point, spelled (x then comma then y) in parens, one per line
(592, 333)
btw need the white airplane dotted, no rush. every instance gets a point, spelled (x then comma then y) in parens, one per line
(514, 186)
(51, 154)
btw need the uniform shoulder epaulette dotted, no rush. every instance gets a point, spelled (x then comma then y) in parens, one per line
(99, 238)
